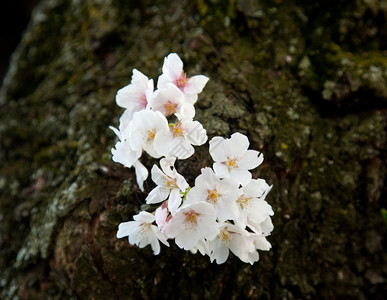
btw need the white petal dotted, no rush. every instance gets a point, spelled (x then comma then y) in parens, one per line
(196, 134)
(124, 154)
(173, 67)
(261, 243)
(144, 216)
(220, 253)
(158, 194)
(141, 174)
(221, 170)
(217, 150)
(236, 146)
(191, 98)
(127, 228)
(139, 79)
(158, 176)
(116, 131)
(250, 160)
(243, 176)
(161, 237)
(174, 201)
(196, 84)
(162, 81)
(166, 164)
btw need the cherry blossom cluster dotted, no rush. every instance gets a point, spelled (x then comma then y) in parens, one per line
(225, 210)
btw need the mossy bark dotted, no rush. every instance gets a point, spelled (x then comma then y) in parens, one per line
(305, 81)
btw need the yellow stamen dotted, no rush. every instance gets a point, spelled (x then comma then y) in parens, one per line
(212, 196)
(171, 183)
(191, 218)
(170, 108)
(151, 135)
(177, 130)
(244, 201)
(224, 235)
(182, 80)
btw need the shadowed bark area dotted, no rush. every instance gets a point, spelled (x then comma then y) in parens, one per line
(305, 81)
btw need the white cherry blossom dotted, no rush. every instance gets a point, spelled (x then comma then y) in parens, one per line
(169, 183)
(124, 154)
(232, 157)
(252, 204)
(221, 193)
(170, 100)
(178, 139)
(143, 129)
(173, 73)
(231, 237)
(226, 209)
(141, 232)
(135, 96)
(191, 223)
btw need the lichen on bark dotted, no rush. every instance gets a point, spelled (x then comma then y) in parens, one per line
(305, 81)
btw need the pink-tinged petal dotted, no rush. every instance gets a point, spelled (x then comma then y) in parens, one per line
(250, 160)
(243, 176)
(141, 174)
(195, 84)
(173, 67)
(217, 150)
(161, 215)
(126, 96)
(127, 228)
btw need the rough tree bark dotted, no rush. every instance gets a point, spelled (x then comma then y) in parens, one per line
(306, 81)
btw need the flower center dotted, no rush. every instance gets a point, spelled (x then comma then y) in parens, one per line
(212, 196)
(191, 218)
(231, 162)
(171, 183)
(143, 100)
(181, 81)
(244, 201)
(177, 130)
(150, 135)
(224, 235)
(170, 108)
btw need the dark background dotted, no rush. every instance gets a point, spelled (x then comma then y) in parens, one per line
(14, 17)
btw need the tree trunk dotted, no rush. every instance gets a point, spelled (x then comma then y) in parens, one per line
(306, 81)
